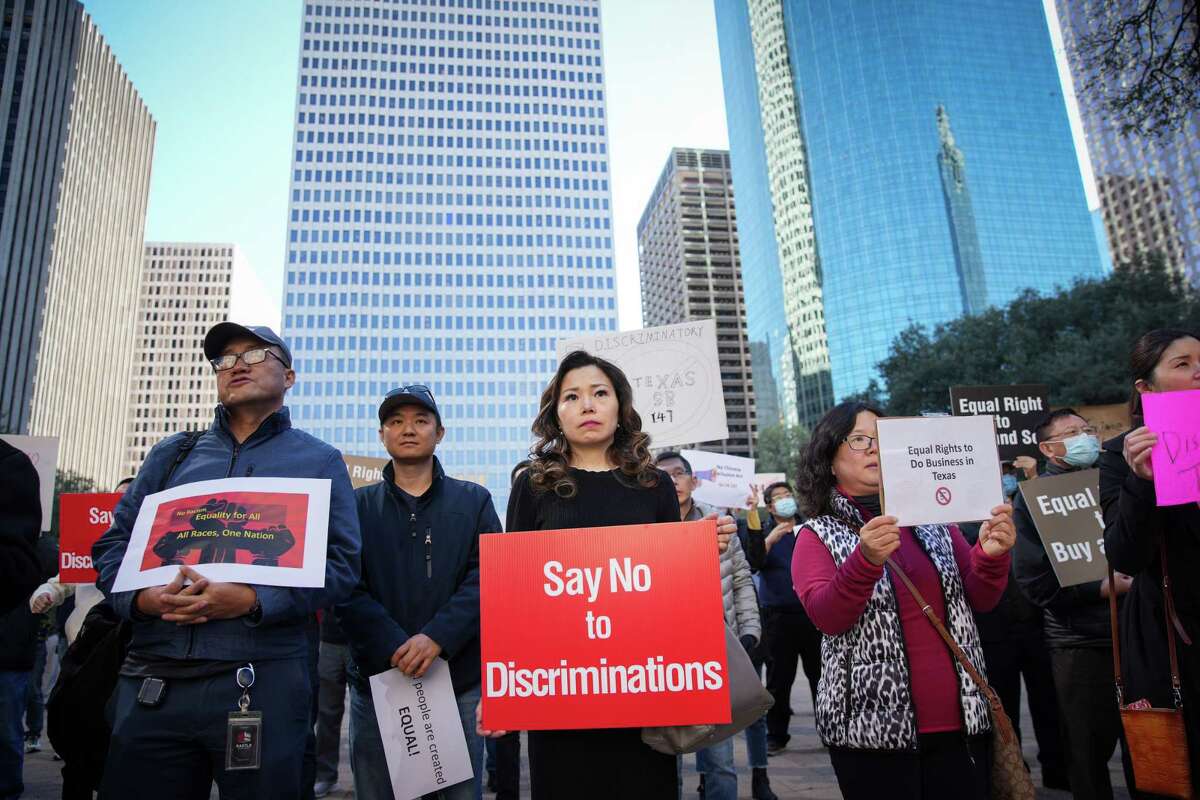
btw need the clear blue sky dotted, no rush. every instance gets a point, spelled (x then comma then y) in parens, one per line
(219, 77)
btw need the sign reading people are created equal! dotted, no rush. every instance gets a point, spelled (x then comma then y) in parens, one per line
(675, 375)
(1017, 410)
(1066, 511)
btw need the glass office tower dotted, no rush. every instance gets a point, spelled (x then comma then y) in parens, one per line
(449, 216)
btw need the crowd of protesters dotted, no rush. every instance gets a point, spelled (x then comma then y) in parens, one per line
(824, 582)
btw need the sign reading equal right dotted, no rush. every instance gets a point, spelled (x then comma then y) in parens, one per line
(1017, 410)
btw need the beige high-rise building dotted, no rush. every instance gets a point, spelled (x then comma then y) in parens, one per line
(186, 289)
(84, 352)
(688, 257)
(1139, 218)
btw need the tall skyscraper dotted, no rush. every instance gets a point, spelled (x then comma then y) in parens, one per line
(185, 290)
(74, 349)
(449, 215)
(688, 257)
(780, 262)
(1149, 189)
(941, 172)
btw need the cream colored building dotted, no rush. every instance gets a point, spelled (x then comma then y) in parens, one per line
(186, 289)
(81, 374)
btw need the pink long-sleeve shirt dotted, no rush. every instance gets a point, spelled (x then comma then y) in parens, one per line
(835, 598)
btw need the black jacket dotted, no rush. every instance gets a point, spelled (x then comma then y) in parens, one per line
(20, 525)
(1133, 528)
(420, 574)
(1076, 616)
(1014, 616)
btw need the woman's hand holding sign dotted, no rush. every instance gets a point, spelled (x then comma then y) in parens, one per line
(997, 535)
(1138, 445)
(879, 538)
(726, 529)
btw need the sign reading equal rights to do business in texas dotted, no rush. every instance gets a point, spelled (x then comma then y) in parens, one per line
(1066, 511)
(82, 519)
(675, 375)
(1017, 410)
(269, 531)
(939, 469)
(602, 628)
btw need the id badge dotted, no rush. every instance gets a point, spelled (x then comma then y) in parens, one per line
(243, 746)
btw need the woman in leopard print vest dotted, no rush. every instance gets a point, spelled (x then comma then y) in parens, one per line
(901, 719)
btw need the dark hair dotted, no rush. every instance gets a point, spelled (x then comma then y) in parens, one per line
(814, 473)
(1047, 422)
(123, 482)
(520, 467)
(672, 455)
(1147, 352)
(548, 464)
(771, 489)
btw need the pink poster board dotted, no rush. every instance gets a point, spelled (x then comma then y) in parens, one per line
(1175, 417)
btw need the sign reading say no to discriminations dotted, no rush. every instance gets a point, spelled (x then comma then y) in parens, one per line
(1017, 410)
(1066, 511)
(603, 628)
(82, 519)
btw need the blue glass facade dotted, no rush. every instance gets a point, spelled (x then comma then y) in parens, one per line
(871, 76)
(449, 216)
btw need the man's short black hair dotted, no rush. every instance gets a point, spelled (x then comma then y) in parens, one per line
(671, 455)
(771, 490)
(1043, 428)
(123, 482)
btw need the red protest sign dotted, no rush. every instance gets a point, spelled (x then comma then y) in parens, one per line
(82, 519)
(602, 628)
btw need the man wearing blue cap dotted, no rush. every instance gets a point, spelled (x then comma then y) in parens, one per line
(418, 599)
(197, 649)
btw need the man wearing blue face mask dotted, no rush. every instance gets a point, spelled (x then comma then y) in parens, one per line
(1076, 622)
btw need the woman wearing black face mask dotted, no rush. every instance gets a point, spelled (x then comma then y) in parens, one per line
(1142, 537)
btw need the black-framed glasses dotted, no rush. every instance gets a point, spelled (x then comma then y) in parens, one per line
(412, 388)
(250, 357)
(860, 441)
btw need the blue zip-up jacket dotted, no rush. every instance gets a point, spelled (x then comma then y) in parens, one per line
(420, 574)
(275, 450)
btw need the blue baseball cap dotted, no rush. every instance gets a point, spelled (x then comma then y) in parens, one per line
(219, 335)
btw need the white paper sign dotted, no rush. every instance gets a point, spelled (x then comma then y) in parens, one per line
(43, 452)
(722, 481)
(676, 378)
(422, 732)
(939, 469)
(764, 479)
(267, 531)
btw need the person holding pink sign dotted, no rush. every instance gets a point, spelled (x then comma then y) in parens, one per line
(1142, 538)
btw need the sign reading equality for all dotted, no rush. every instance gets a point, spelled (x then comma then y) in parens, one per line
(721, 480)
(629, 628)
(269, 531)
(939, 469)
(1175, 417)
(82, 519)
(675, 375)
(1066, 511)
(43, 452)
(1017, 410)
(423, 740)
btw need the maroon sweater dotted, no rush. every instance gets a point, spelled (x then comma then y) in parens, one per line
(835, 599)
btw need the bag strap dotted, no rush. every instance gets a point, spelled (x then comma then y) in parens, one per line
(988, 692)
(1169, 620)
(189, 441)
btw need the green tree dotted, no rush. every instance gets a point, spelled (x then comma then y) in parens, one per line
(1076, 341)
(778, 449)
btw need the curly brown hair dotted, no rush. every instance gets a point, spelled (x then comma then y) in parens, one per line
(549, 457)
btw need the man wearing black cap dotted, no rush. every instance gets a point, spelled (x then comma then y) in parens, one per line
(195, 647)
(418, 599)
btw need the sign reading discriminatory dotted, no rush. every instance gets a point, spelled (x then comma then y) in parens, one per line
(722, 481)
(43, 452)
(364, 470)
(675, 375)
(1017, 410)
(82, 519)
(1175, 417)
(1066, 511)
(423, 740)
(614, 644)
(939, 469)
(269, 531)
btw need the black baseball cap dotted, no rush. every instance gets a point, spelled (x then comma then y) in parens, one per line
(414, 394)
(219, 335)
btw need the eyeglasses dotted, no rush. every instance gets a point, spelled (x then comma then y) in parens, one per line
(1087, 430)
(412, 388)
(248, 357)
(860, 441)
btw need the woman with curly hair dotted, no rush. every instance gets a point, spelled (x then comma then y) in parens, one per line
(901, 719)
(591, 467)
